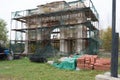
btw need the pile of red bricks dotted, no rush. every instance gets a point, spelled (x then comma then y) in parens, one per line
(93, 62)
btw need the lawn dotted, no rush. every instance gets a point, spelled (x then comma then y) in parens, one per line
(23, 69)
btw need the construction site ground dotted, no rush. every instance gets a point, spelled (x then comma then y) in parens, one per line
(23, 69)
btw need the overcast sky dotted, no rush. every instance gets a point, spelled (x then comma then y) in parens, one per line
(104, 8)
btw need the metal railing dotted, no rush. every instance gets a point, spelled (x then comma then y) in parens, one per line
(89, 3)
(24, 13)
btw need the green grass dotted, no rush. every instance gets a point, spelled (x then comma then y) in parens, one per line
(23, 69)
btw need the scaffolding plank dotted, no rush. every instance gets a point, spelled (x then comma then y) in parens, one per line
(20, 30)
(51, 39)
(20, 19)
(87, 24)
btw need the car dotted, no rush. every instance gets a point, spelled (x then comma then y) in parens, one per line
(6, 54)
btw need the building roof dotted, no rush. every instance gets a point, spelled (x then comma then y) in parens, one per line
(52, 4)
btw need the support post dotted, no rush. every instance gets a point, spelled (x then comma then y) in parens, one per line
(115, 72)
(114, 56)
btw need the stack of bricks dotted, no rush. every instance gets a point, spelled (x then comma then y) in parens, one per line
(102, 64)
(81, 63)
(91, 62)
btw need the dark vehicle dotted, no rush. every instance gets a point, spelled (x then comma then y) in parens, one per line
(6, 54)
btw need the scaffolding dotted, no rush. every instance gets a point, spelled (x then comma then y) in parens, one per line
(58, 27)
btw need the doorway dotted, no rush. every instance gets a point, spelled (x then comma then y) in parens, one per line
(71, 46)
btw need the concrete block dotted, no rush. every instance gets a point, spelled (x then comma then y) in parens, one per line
(109, 74)
(106, 76)
(102, 77)
(50, 62)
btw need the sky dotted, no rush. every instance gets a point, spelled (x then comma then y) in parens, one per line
(104, 8)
